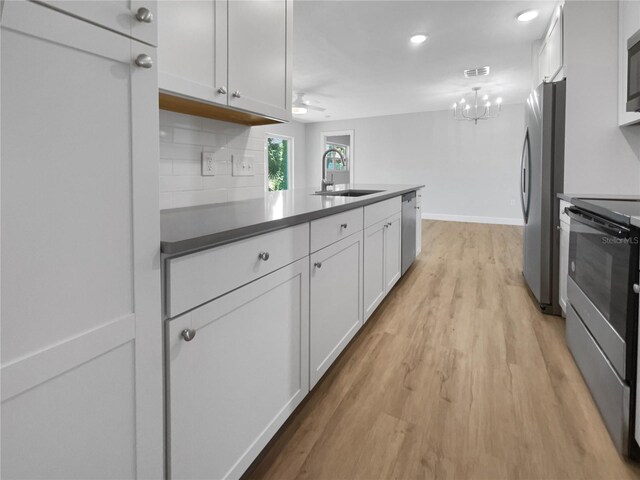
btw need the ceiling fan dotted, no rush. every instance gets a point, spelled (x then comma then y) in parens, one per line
(300, 106)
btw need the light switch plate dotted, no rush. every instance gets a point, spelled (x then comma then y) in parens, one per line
(208, 164)
(242, 166)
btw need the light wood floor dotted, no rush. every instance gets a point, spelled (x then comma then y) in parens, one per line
(456, 376)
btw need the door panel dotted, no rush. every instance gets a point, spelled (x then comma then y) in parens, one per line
(258, 64)
(393, 252)
(532, 237)
(79, 142)
(236, 382)
(195, 64)
(374, 281)
(336, 301)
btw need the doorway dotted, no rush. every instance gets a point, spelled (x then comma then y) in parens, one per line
(339, 170)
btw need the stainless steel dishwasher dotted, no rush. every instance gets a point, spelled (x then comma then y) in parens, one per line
(408, 230)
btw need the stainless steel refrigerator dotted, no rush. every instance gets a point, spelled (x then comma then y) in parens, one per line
(541, 179)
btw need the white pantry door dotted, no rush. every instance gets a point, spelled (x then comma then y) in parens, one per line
(80, 275)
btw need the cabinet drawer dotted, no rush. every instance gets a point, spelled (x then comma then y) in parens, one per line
(197, 278)
(328, 230)
(379, 211)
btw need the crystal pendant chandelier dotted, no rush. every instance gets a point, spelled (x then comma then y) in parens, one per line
(473, 112)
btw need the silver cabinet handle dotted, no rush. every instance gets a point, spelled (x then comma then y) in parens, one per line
(144, 61)
(343, 225)
(222, 90)
(236, 94)
(417, 208)
(636, 288)
(188, 334)
(263, 256)
(144, 15)
(318, 264)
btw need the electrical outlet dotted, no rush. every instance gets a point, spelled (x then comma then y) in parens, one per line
(242, 166)
(208, 164)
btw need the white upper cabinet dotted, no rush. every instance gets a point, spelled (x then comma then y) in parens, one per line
(231, 53)
(193, 64)
(551, 54)
(259, 65)
(392, 252)
(134, 18)
(628, 24)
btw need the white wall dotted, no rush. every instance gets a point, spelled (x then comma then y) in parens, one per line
(183, 138)
(471, 172)
(600, 157)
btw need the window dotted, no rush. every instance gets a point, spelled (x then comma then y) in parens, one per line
(334, 162)
(279, 162)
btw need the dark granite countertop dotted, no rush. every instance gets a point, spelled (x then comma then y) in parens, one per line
(188, 229)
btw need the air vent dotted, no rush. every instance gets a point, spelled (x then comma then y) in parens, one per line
(477, 72)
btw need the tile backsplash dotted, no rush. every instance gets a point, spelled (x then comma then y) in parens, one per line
(183, 138)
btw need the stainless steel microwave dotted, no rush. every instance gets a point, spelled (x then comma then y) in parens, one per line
(633, 73)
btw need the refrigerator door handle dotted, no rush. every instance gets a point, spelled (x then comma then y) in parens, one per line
(524, 178)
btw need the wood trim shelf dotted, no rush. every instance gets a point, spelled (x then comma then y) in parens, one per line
(180, 104)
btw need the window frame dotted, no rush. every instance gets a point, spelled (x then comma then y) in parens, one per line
(290, 160)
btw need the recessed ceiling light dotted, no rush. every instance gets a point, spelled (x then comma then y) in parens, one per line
(527, 15)
(418, 39)
(298, 110)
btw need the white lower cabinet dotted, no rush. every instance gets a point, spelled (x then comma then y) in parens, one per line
(382, 261)
(336, 301)
(243, 373)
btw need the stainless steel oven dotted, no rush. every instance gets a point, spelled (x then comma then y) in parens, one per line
(633, 73)
(602, 318)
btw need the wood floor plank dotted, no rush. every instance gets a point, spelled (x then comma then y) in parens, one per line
(456, 375)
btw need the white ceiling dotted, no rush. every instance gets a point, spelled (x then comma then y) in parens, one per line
(354, 58)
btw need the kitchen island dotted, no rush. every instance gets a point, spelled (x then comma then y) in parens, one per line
(260, 299)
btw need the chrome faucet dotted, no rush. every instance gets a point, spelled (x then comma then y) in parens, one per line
(326, 183)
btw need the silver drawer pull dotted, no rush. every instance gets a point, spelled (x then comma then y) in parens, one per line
(144, 15)
(636, 288)
(188, 334)
(222, 90)
(263, 256)
(236, 94)
(144, 61)
(318, 264)
(343, 225)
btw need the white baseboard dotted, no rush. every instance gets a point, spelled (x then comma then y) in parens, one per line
(472, 219)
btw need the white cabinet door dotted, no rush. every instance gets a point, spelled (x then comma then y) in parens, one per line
(392, 251)
(418, 222)
(81, 367)
(374, 284)
(260, 33)
(118, 15)
(236, 382)
(192, 58)
(543, 63)
(336, 301)
(554, 52)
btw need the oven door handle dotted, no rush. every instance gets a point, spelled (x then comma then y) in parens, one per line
(604, 226)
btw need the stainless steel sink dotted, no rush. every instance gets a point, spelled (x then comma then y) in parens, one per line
(348, 193)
